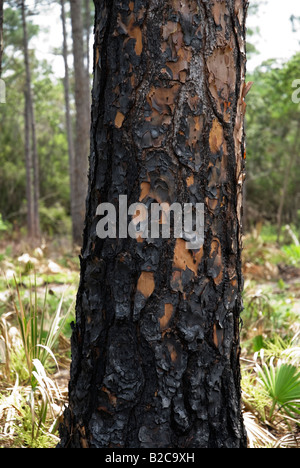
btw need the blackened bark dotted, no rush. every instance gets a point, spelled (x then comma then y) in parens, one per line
(155, 349)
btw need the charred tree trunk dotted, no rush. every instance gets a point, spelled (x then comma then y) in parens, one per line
(155, 360)
(82, 140)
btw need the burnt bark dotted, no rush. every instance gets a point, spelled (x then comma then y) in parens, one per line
(155, 348)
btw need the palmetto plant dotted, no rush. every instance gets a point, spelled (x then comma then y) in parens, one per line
(258, 436)
(38, 342)
(41, 400)
(38, 337)
(282, 384)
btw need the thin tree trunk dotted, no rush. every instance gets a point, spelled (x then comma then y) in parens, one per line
(1, 35)
(2, 84)
(155, 349)
(30, 141)
(36, 170)
(286, 179)
(87, 42)
(82, 123)
(283, 195)
(67, 105)
(28, 163)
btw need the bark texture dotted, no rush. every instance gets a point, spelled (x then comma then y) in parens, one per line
(155, 349)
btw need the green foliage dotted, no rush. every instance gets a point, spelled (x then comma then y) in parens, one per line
(267, 315)
(33, 408)
(37, 339)
(54, 219)
(12, 27)
(293, 254)
(52, 145)
(272, 122)
(29, 417)
(24, 432)
(262, 250)
(255, 397)
(282, 384)
(271, 382)
(5, 227)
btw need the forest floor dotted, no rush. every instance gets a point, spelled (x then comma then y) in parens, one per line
(32, 398)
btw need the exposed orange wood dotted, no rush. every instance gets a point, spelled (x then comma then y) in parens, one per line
(112, 398)
(145, 190)
(216, 137)
(146, 284)
(184, 258)
(216, 341)
(190, 180)
(119, 119)
(172, 352)
(165, 320)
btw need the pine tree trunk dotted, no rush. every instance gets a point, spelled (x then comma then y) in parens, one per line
(286, 180)
(82, 140)
(28, 164)
(1, 35)
(31, 154)
(67, 106)
(155, 349)
(87, 11)
(36, 172)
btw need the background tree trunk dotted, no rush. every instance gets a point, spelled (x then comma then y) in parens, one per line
(31, 155)
(155, 349)
(82, 140)
(28, 164)
(286, 179)
(1, 35)
(87, 11)
(68, 112)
